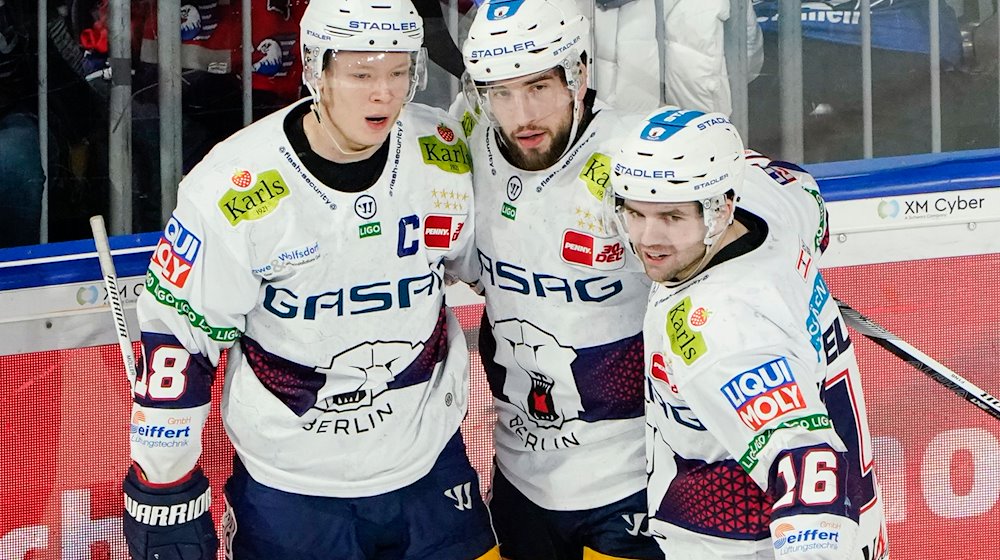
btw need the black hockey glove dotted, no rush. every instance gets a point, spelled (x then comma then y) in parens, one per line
(169, 523)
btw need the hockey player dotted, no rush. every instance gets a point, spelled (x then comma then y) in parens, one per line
(313, 245)
(561, 337)
(758, 438)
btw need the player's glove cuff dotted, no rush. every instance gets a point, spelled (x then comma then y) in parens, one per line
(171, 523)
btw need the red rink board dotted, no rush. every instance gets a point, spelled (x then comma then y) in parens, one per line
(64, 420)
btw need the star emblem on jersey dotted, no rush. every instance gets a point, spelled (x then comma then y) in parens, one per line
(242, 178)
(446, 199)
(587, 220)
(363, 373)
(539, 374)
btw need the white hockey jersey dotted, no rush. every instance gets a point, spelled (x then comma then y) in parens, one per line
(561, 340)
(757, 433)
(346, 375)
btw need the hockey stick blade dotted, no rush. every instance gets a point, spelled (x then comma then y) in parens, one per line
(922, 362)
(114, 298)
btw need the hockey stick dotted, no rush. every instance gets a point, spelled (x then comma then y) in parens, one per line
(114, 299)
(935, 370)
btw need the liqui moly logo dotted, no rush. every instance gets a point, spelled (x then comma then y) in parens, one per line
(764, 393)
(593, 252)
(176, 252)
(440, 231)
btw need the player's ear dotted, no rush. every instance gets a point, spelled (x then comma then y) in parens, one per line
(584, 74)
(730, 209)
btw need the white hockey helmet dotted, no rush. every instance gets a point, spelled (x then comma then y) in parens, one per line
(514, 38)
(679, 155)
(364, 26)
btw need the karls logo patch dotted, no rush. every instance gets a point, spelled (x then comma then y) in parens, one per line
(685, 342)
(256, 201)
(764, 393)
(176, 252)
(440, 231)
(593, 252)
(595, 174)
(451, 157)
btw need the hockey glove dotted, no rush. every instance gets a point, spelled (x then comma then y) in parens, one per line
(171, 523)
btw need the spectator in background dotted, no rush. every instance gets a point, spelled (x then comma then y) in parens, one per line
(648, 53)
(211, 61)
(437, 39)
(651, 52)
(71, 114)
(443, 75)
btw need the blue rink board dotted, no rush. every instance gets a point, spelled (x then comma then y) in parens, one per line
(839, 181)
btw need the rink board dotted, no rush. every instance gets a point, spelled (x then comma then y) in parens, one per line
(927, 270)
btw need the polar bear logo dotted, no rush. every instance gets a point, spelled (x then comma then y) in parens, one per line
(539, 374)
(358, 375)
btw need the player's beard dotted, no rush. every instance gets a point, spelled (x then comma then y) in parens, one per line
(534, 159)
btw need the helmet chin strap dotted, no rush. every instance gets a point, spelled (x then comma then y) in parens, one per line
(577, 107)
(710, 251)
(712, 209)
(316, 107)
